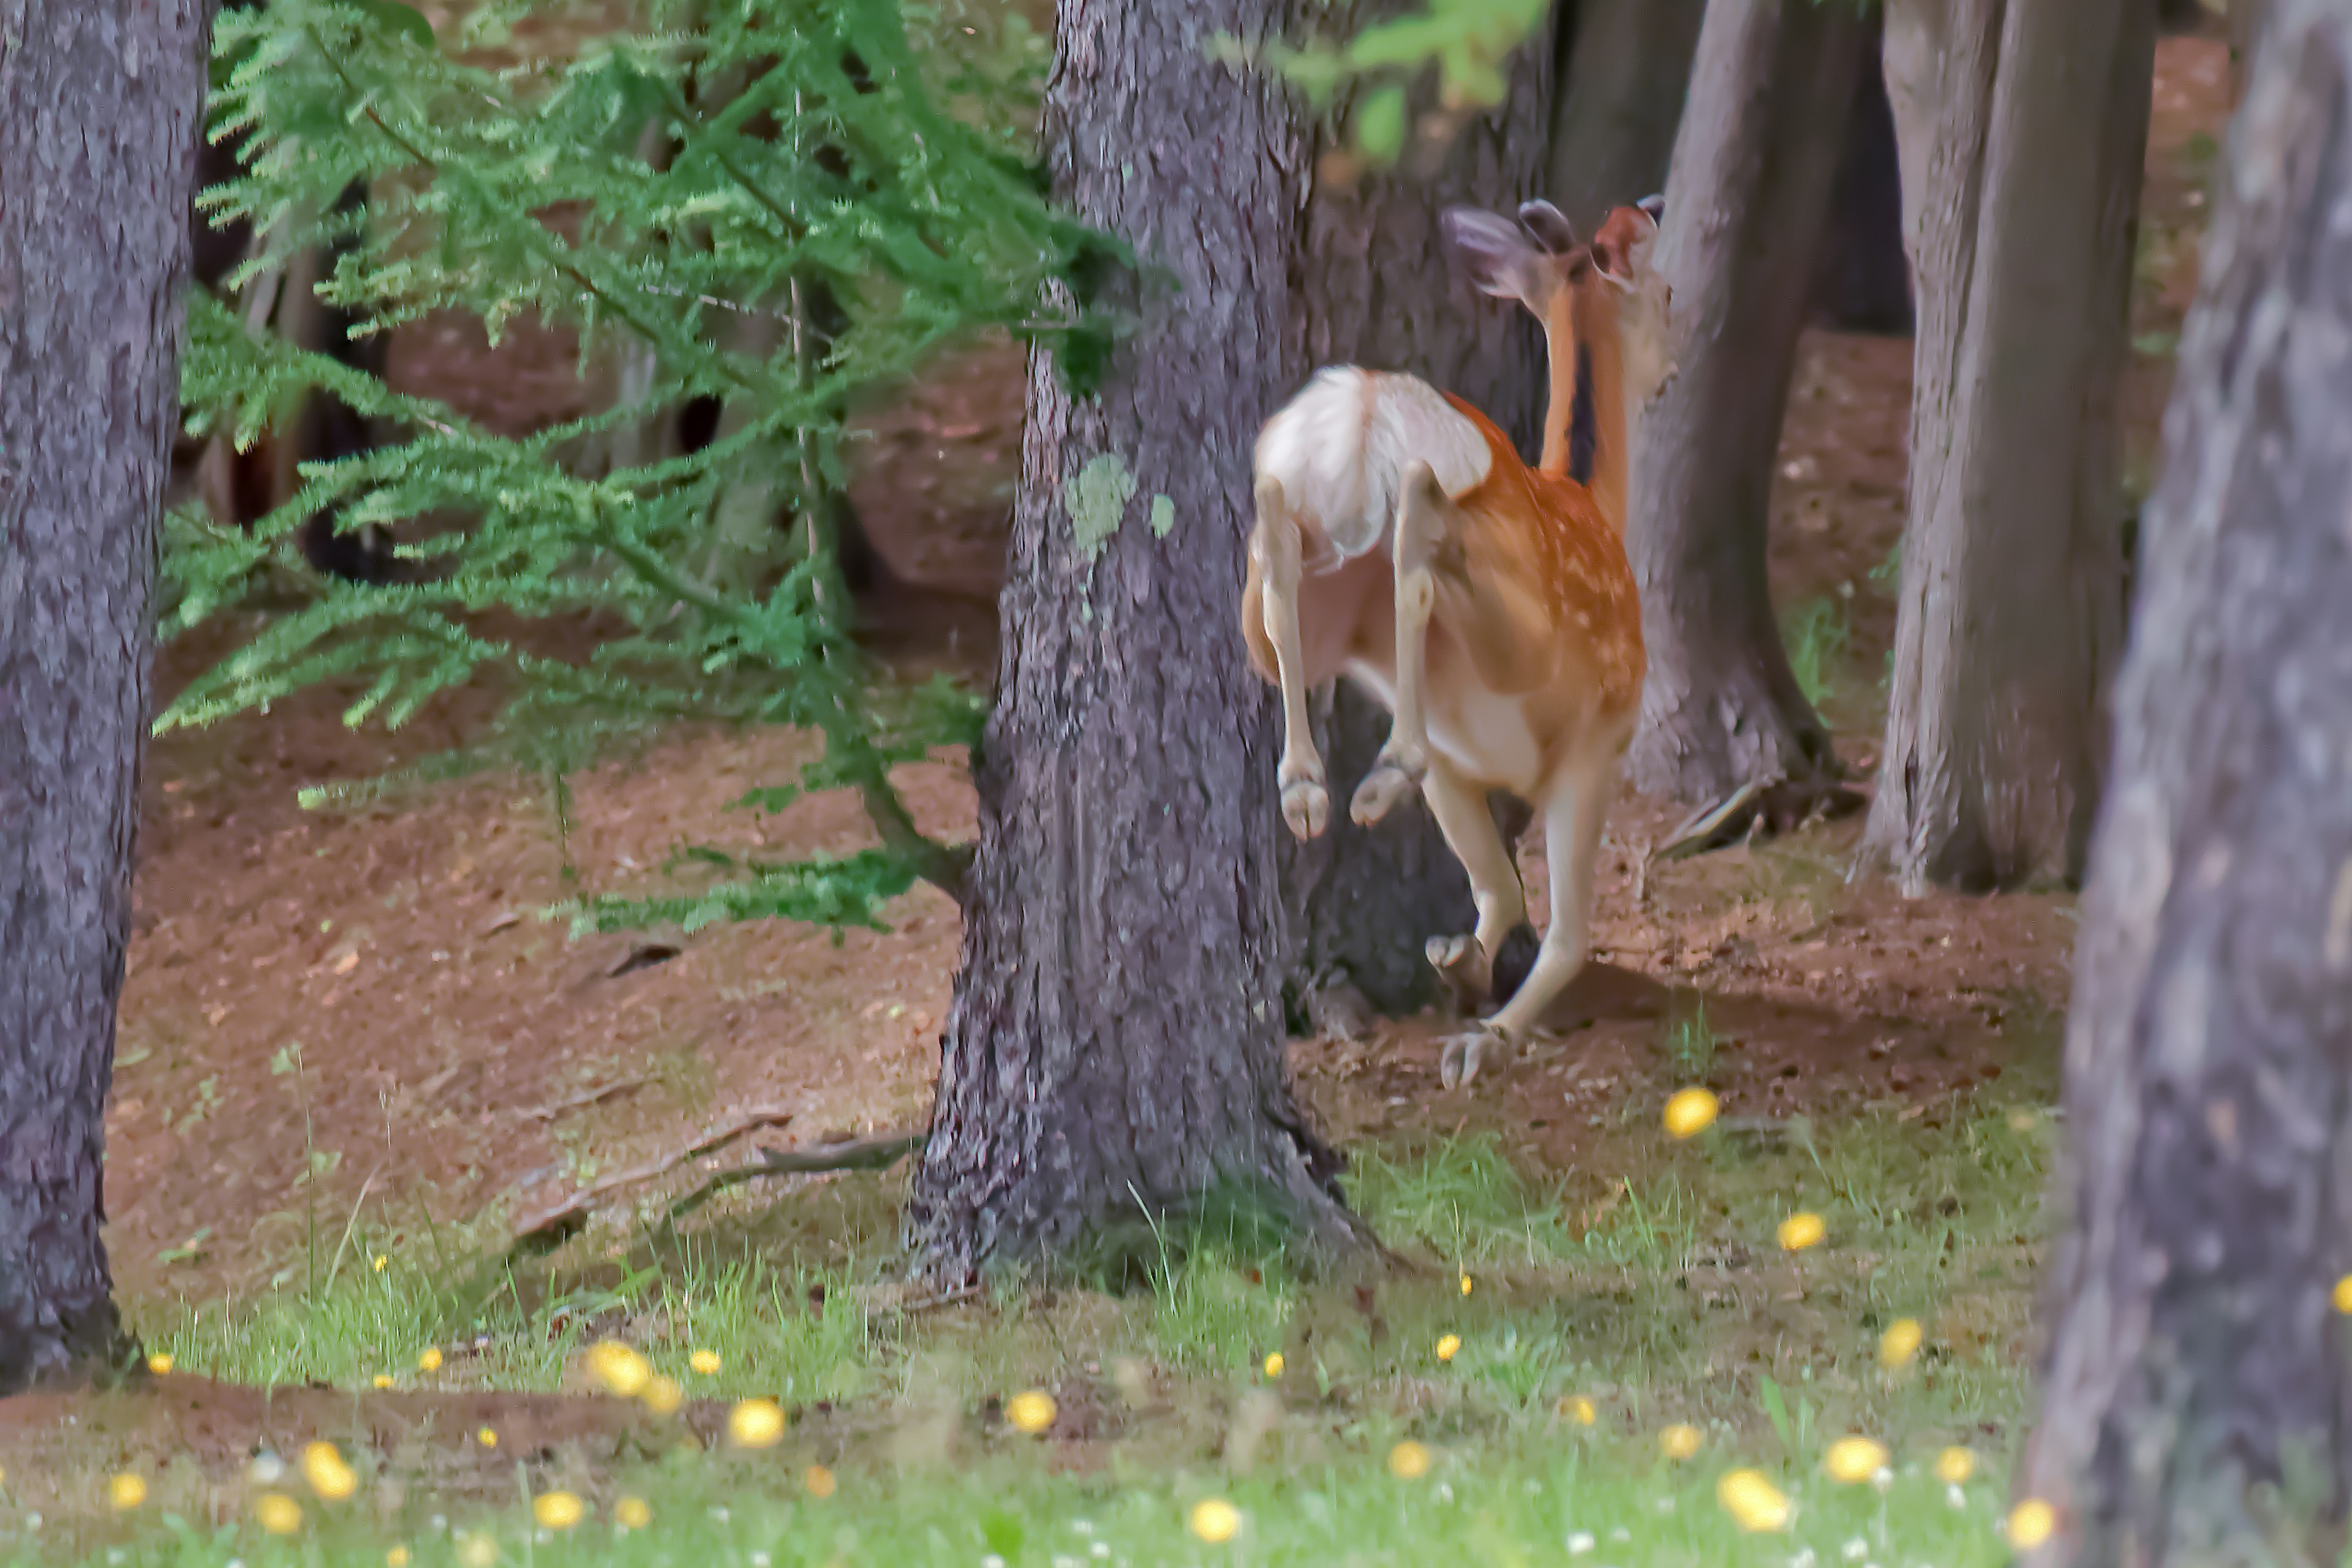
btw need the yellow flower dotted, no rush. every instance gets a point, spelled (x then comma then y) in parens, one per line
(631, 1514)
(323, 1467)
(1466, 1284)
(1579, 1409)
(384, 1380)
(159, 1363)
(1954, 1466)
(477, 1551)
(1852, 1459)
(1032, 1411)
(429, 1361)
(2022, 1120)
(755, 1424)
(487, 1438)
(620, 1368)
(1449, 1347)
(1680, 1442)
(1691, 1112)
(278, 1514)
(125, 1492)
(1754, 1503)
(663, 1395)
(819, 1481)
(1408, 1461)
(557, 1511)
(382, 1262)
(2342, 1295)
(2031, 1523)
(396, 1558)
(1899, 1343)
(1273, 1366)
(706, 1364)
(1800, 1231)
(1215, 1519)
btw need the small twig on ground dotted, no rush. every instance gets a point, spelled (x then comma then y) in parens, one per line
(562, 1217)
(866, 1154)
(582, 1101)
(1699, 830)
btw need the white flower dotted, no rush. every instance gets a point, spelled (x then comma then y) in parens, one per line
(1444, 1491)
(759, 1560)
(992, 1561)
(1803, 1560)
(1621, 1535)
(1579, 1544)
(1856, 1550)
(719, 1513)
(1665, 1504)
(1956, 1496)
(1101, 1549)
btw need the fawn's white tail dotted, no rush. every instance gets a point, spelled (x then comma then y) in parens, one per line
(1338, 449)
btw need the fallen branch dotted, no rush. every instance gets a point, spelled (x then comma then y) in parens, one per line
(1698, 832)
(582, 1101)
(559, 1219)
(866, 1154)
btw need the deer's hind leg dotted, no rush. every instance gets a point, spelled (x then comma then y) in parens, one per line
(1404, 762)
(1275, 549)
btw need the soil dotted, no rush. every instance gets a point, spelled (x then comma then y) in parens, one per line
(462, 1059)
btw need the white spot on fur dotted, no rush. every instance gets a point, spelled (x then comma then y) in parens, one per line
(1341, 446)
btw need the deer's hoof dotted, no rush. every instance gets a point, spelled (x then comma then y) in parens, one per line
(1385, 788)
(1465, 967)
(1307, 808)
(1482, 1049)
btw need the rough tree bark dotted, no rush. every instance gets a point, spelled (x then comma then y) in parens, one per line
(1371, 285)
(1745, 205)
(1624, 67)
(2023, 130)
(1114, 1053)
(2209, 1061)
(99, 105)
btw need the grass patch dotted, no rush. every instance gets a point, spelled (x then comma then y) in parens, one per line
(1528, 1305)
(1816, 635)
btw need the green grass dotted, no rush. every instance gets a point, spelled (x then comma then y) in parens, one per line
(1657, 1293)
(1816, 634)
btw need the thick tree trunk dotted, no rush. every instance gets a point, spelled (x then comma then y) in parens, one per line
(1371, 285)
(1626, 69)
(1862, 280)
(100, 106)
(1744, 210)
(1114, 1054)
(2023, 130)
(2209, 1061)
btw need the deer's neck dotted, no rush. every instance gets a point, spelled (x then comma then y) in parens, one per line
(1560, 343)
(1597, 327)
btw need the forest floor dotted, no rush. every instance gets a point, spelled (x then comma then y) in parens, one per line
(354, 1061)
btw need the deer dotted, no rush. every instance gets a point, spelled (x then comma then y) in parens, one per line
(1400, 540)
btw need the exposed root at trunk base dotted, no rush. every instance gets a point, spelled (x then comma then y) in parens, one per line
(1760, 810)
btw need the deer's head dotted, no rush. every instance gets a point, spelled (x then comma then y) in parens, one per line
(1539, 261)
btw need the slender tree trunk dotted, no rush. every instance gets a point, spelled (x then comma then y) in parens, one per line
(2024, 127)
(2247, 20)
(1744, 211)
(2209, 1061)
(1114, 1054)
(1625, 67)
(1371, 285)
(1862, 280)
(100, 106)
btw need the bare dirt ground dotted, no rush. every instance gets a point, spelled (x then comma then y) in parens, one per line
(460, 1060)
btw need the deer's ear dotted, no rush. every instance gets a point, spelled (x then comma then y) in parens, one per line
(1549, 227)
(1493, 253)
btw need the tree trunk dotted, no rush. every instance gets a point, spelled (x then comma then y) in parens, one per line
(1744, 212)
(2247, 22)
(1114, 1054)
(2196, 1356)
(100, 107)
(1371, 285)
(1626, 66)
(1862, 280)
(2023, 129)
